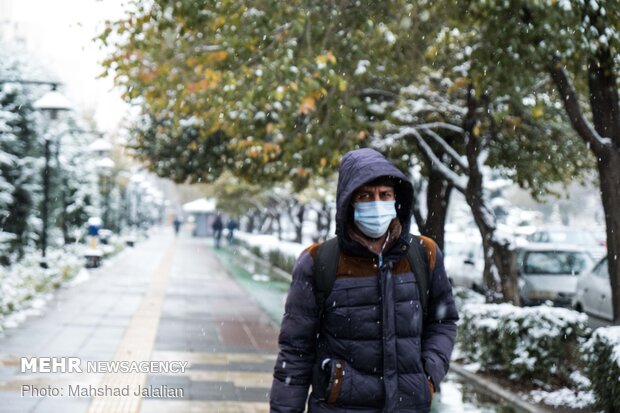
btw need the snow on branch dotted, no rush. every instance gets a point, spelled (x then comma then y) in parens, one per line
(440, 125)
(575, 114)
(458, 181)
(447, 148)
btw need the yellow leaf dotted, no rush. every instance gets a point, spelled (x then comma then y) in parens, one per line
(459, 83)
(218, 56)
(330, 57)
(294, 86)
(308, 105)
(321, 60)
(212, 78)
(538, 111)
(342, 85)
(217, 23)
(476, 130)
(431, 52)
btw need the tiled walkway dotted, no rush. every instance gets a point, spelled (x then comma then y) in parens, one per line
(164, 300)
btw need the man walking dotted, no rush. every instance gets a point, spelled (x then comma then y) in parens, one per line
(217, 227)
(374, 342)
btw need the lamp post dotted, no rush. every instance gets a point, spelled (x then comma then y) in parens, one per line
(50, 103)
(102, 148)
(105, 167)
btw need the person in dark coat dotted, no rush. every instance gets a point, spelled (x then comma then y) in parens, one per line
(177, 225)
(373, 350)
(218, 227)
(231, 226)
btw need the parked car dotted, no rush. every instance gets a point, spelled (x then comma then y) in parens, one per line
(574, 236)
(463, 259)
(593, 295)
(548, 272)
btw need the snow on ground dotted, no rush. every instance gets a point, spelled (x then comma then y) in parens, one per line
(270, 243)
(81, 277)
(34, 307)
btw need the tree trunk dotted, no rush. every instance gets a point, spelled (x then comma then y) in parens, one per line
(605, 110)
(278, 219)
(606, 118)
(299, 225)
(491, 275)
(437, 201)
(322, 223)
(251, 223)
(500, 273)
(609, 171)
(506, 261)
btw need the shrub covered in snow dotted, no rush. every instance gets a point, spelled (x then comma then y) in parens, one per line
(281, 254)
(535, 344)
(602, 355)
(25, 280)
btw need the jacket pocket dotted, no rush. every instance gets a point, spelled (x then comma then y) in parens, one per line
(336, 369)
(349, 387)
(414, 391)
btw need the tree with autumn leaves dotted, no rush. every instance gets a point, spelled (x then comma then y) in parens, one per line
(569, 48)
(274, 91)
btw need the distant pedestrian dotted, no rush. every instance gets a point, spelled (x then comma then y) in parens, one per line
(231, 226)
(177, 225)
(94, 225)
(218, 227)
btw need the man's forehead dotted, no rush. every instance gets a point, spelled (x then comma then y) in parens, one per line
(373, 188)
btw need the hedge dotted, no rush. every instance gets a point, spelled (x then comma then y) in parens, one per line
(602, 356)
(533, 344)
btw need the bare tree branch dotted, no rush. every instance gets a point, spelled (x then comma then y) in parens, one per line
(368, 92)
(447, 148)
(458, 181)
(575, 114)
(440, 125)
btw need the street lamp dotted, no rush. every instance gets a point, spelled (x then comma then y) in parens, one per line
(50, 103)
(105, 167)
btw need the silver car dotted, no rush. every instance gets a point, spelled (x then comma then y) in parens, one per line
(548, 272)
(594, 292)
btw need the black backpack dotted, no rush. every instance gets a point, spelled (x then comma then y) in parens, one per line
(326, 265)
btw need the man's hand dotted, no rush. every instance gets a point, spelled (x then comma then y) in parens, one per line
(432, 388)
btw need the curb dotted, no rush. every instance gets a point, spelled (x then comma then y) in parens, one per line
(497, 391)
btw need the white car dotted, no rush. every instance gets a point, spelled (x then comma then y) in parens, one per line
(594, 292)
(548, 272)
(573, 236)
(465, 264)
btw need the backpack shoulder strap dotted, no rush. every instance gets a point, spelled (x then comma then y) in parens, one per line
(421, 256)
(325, 267)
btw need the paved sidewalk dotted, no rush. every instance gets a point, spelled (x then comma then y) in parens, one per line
(165, 300)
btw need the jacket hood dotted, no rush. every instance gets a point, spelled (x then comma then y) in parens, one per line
(359, 167)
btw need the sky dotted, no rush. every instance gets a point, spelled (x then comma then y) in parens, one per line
(59, 34)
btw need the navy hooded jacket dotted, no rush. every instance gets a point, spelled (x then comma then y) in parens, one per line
(372, 351)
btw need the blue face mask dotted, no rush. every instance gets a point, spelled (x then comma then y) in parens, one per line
(373, 218)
